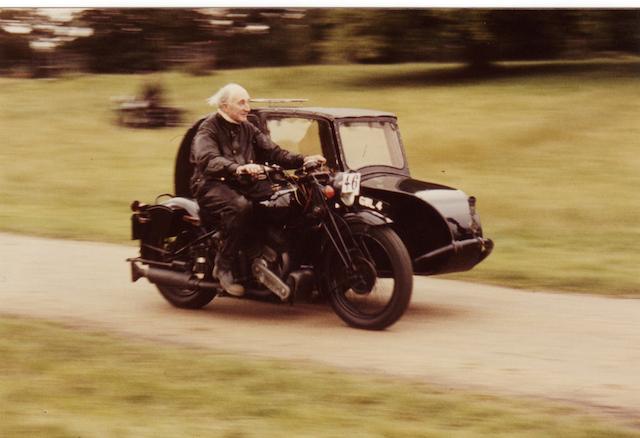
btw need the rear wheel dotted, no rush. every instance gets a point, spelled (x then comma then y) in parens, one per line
(377, 293)
(186, 298)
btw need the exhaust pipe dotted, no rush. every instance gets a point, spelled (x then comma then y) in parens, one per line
(166, 277)
(136, 272)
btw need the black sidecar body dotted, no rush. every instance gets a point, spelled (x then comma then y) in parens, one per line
(439, 225)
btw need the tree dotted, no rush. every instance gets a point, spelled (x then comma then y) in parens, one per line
(126, 40)
(14, 50)
(264, 37)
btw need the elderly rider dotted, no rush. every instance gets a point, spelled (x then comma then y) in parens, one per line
(226, 145)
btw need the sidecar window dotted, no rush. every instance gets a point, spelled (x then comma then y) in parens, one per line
(371, 143)
(296, 134)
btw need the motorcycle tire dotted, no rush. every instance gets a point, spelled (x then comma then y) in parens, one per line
(185, 298)
(358, 307)
(182, 297)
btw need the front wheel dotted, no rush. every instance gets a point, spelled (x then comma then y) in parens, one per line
(377, 292)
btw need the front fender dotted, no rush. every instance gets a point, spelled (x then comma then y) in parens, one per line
(357, 220)
(367, 217)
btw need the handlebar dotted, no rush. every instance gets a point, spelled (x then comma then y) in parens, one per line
(312, 165)
(266, 172)
(309, 168)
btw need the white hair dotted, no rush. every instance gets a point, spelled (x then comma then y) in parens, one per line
(223, 94)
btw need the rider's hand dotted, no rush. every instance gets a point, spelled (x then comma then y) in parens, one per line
(319, 158)
(251, 169)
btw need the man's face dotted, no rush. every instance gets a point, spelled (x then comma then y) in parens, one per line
(237, 107)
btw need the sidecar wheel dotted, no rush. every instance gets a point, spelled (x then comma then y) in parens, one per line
(383, 291)
(185, 298)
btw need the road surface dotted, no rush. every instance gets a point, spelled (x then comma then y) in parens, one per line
(577, 348)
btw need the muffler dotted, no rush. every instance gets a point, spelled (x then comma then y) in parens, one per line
(166, 277)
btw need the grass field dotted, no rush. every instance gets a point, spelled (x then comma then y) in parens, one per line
(549, 149)
(56, 382)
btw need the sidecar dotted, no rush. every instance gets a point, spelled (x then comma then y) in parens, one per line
(438, 224)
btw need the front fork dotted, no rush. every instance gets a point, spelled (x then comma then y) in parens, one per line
(354, 257)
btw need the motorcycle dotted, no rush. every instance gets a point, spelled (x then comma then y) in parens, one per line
(311, 240)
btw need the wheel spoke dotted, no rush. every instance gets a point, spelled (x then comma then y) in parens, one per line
(377, 296)
(365, 251)
(183, 297)
(379, 290)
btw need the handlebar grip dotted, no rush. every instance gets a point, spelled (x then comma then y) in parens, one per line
(311, 165)
(267, 171)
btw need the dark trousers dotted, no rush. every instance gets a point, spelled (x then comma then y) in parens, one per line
(232, 212)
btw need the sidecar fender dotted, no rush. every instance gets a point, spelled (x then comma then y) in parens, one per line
(439, 225)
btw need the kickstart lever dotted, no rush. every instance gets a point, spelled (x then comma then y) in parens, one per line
(265, 276)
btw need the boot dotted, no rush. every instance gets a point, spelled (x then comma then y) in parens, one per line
(225, 277)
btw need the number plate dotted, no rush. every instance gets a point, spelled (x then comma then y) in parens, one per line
(351, 183)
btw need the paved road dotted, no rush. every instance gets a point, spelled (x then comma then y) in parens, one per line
(580, 348)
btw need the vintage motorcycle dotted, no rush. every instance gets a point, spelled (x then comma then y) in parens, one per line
(311, 239)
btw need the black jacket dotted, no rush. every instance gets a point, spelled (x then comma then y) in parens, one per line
(219, 147)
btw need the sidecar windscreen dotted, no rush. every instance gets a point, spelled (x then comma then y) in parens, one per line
(371, 143)
(296, 134)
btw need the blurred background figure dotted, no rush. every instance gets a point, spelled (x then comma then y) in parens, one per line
(147, 110)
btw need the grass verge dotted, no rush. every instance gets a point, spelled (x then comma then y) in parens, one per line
(56, 382)
(549, 149)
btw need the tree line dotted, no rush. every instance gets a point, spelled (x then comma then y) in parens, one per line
(136, 40)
